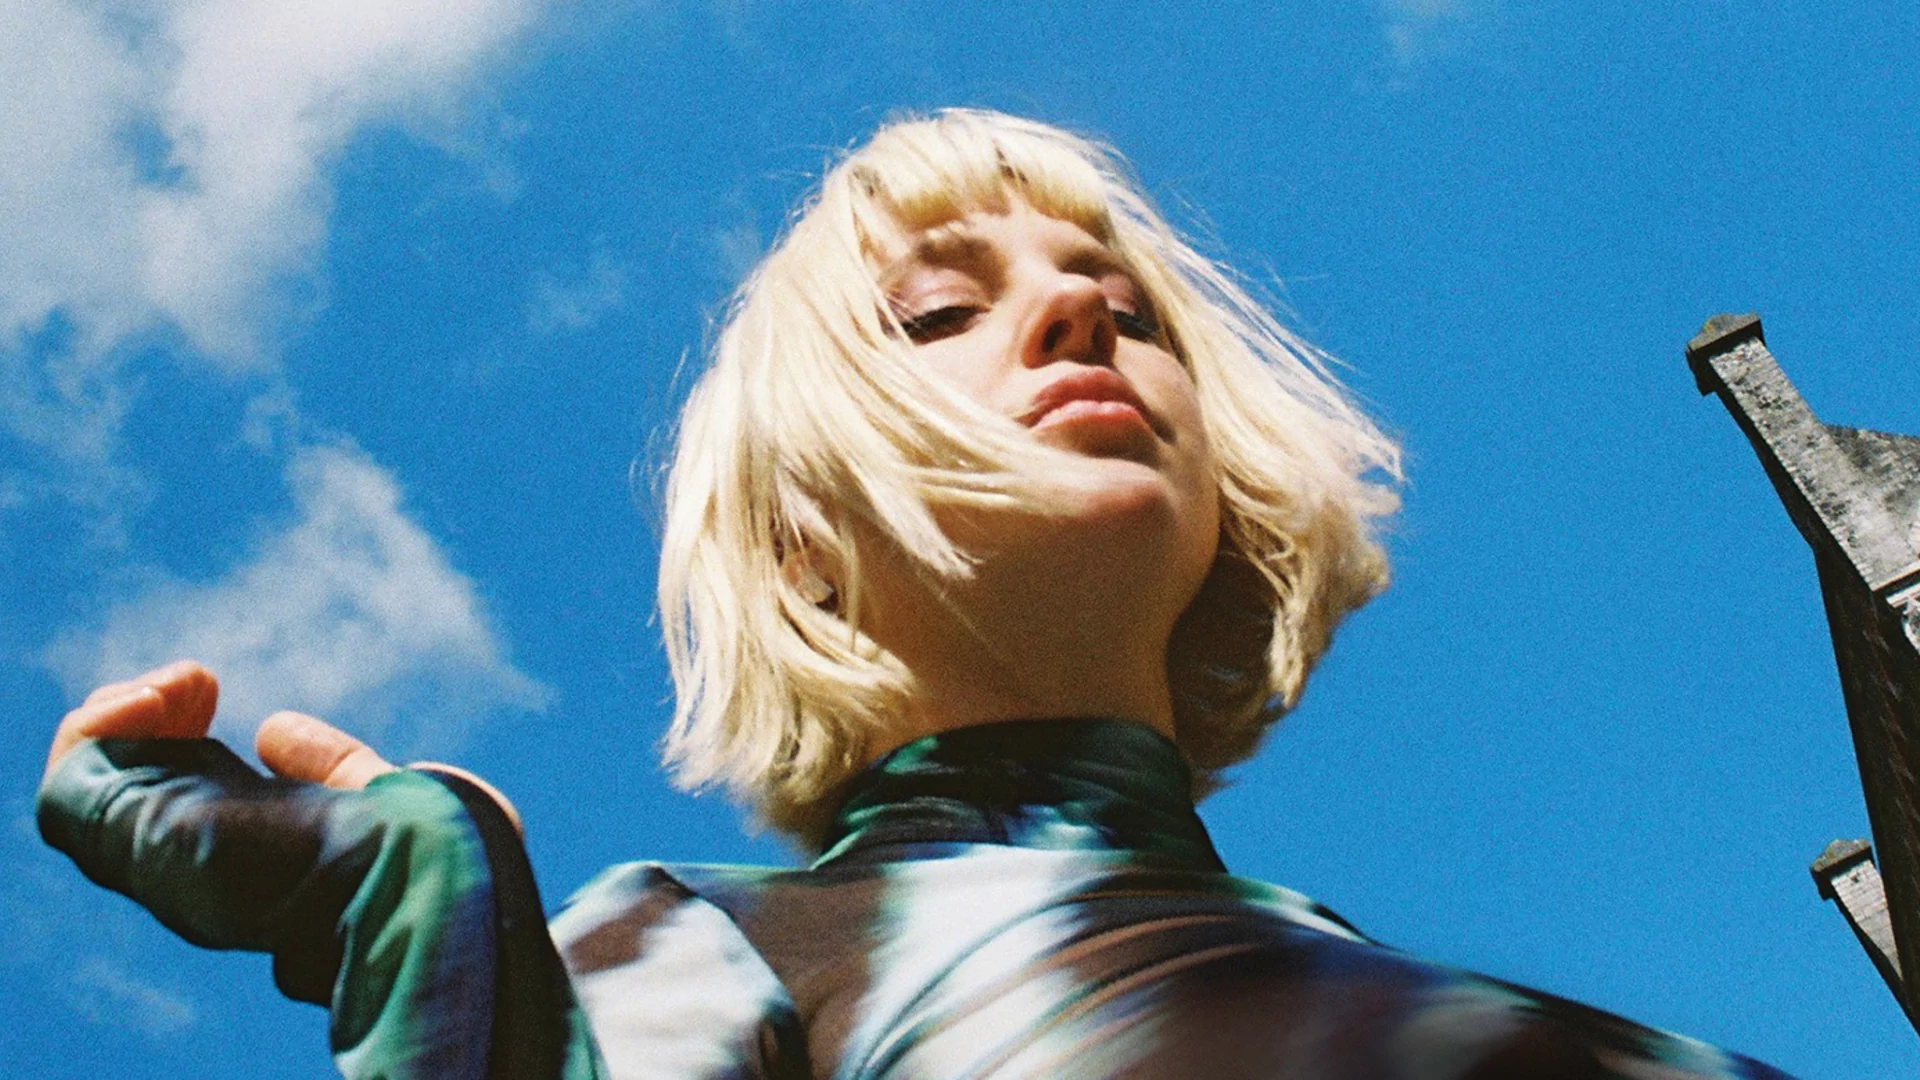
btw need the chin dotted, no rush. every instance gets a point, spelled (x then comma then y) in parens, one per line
(1121, 433)
(1115, 491)
(1135, 542)
(1123, 506)
(1141, 513)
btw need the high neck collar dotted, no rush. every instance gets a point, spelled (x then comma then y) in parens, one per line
(1081, 785)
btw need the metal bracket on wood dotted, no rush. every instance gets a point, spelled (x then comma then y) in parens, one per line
(1855, 497)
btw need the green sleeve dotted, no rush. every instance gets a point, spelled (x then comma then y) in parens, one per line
(407, 908)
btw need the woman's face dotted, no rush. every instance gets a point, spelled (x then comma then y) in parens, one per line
(1035, 319)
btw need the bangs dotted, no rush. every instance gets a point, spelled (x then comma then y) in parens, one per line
(918, 176)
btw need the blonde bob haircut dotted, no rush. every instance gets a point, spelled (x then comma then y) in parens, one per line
(813, 432)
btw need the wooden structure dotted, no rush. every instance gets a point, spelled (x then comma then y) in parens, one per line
(1855, 497)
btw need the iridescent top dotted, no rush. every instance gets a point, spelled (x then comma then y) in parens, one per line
(1021, 900)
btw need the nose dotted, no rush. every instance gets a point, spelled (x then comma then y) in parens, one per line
(1072, 322)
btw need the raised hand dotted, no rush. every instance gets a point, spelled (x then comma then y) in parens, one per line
(177, 702)
(375, 902)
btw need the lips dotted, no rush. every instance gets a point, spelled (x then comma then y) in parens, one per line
(1089, 384)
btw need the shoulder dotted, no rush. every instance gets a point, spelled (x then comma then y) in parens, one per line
(670, 983)
(633, 907)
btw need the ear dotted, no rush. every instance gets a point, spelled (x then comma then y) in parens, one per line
(798, 571)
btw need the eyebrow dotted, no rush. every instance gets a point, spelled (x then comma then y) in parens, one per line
(954, 246)
(945, 246)
(1099, 258)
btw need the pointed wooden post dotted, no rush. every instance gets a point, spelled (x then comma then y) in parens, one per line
(1855, 497)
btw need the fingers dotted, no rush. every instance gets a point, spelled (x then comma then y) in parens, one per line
(171, 702)
(177, 702)
(301, 747)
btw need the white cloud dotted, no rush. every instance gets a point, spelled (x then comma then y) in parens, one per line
(738, 247)
(105, 992)
(68, 189)
(63, 408)
(1419, 30)
(166, 169)
(77, 946)
(165, 176)
(352, 613)
(568, 303)
(261, 98)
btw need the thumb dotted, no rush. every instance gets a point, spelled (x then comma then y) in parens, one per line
(301, 747)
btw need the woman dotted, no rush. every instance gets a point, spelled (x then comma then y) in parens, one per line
(1001, 522)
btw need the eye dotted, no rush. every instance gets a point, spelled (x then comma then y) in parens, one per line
(939, 323)
(1136, 325)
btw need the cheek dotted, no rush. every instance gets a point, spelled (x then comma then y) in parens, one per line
(1191, 442)
(1207, 512)
(961, 365)
(1201, 483)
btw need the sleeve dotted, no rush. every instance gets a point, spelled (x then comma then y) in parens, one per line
(408, 908)
(1508, 1032)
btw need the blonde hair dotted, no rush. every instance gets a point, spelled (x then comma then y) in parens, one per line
(811, 433)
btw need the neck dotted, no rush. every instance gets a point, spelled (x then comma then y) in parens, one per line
(1005, 643)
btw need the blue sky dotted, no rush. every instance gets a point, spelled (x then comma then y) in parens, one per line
(338, 342)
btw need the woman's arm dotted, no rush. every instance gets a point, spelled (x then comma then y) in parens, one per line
(401, 899)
